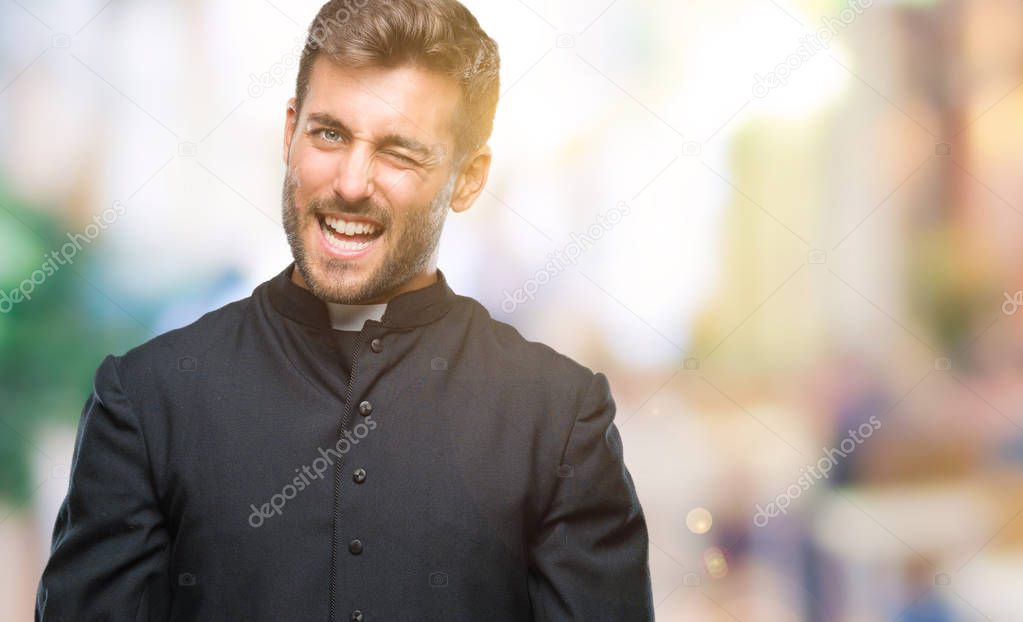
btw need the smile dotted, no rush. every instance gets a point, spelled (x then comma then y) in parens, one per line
(348, 238)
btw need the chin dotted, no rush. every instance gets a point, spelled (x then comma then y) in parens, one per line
(336, 280)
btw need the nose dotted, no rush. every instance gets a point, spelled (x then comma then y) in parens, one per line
(354, 181)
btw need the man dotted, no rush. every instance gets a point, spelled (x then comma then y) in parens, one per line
(354, 441)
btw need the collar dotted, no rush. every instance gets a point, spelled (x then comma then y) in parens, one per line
(406, 310)
(352, 317)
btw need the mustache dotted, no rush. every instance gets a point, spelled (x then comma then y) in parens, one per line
(337, 205)
(332, 204)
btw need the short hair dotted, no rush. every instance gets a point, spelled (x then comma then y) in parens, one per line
(437, 35)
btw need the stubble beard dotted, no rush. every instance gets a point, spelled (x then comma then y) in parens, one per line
(406, 257)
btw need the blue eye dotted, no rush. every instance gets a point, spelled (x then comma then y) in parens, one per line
(329, 135)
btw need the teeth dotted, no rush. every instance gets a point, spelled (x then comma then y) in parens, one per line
(344, 245)
(349, 246)
(350, 228)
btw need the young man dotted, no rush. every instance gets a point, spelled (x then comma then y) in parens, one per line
(354, 441)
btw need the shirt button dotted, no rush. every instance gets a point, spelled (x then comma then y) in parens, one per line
(357, 616)
(365, 408)
(355, 547)
(359, 476)
(376, 345)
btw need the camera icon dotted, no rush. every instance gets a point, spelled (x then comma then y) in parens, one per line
(438, 579)
(942, 364)
(187, 363)
(438, 363)
(943, 149)
(817, 257)
(1012, 303)
(692, 364)
(188, 150)
(60, 41)
(60, 471)
(691, 580)
(565, 470)
(186, 579)
(692, 149)
(566, 41)
(943, 579)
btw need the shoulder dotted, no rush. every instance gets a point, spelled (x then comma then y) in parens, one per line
(179, 350)
(524, 360)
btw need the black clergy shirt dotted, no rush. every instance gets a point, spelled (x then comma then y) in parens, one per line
(230, 470)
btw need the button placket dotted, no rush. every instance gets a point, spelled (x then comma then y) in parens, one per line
(361, 361)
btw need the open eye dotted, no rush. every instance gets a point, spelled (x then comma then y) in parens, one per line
(330, 135)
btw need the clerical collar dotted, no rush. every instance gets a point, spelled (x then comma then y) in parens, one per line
(406, 310)
(352, 317)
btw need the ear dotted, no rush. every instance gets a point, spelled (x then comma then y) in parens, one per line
(290, 121)
(471, 179)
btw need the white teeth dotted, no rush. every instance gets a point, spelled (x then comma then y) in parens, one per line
(344, 245)
(349, 246)
(350, 228)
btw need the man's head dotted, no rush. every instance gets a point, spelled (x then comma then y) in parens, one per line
(394, 104)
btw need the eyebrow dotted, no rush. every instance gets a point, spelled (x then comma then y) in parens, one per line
(389, 140)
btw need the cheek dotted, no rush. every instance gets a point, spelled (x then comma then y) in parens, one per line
(405, 191)
(313, 171)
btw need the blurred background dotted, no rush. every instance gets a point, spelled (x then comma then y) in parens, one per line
(793, 237)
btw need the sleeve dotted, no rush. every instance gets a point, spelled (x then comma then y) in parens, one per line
(589, 557)
(108, 559)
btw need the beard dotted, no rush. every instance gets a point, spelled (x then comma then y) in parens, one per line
(406, 249)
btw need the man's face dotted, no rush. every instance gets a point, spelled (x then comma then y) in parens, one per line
(369, 179)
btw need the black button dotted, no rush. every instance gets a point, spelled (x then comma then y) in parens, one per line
(376, 345)
(365, 408)
(359, 476)
(355, 547)
(357, 616)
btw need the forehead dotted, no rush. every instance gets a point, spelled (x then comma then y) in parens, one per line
(385, 100)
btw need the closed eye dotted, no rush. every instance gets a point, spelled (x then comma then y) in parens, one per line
(402, 158)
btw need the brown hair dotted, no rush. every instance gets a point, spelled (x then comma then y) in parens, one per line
(437, 35)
